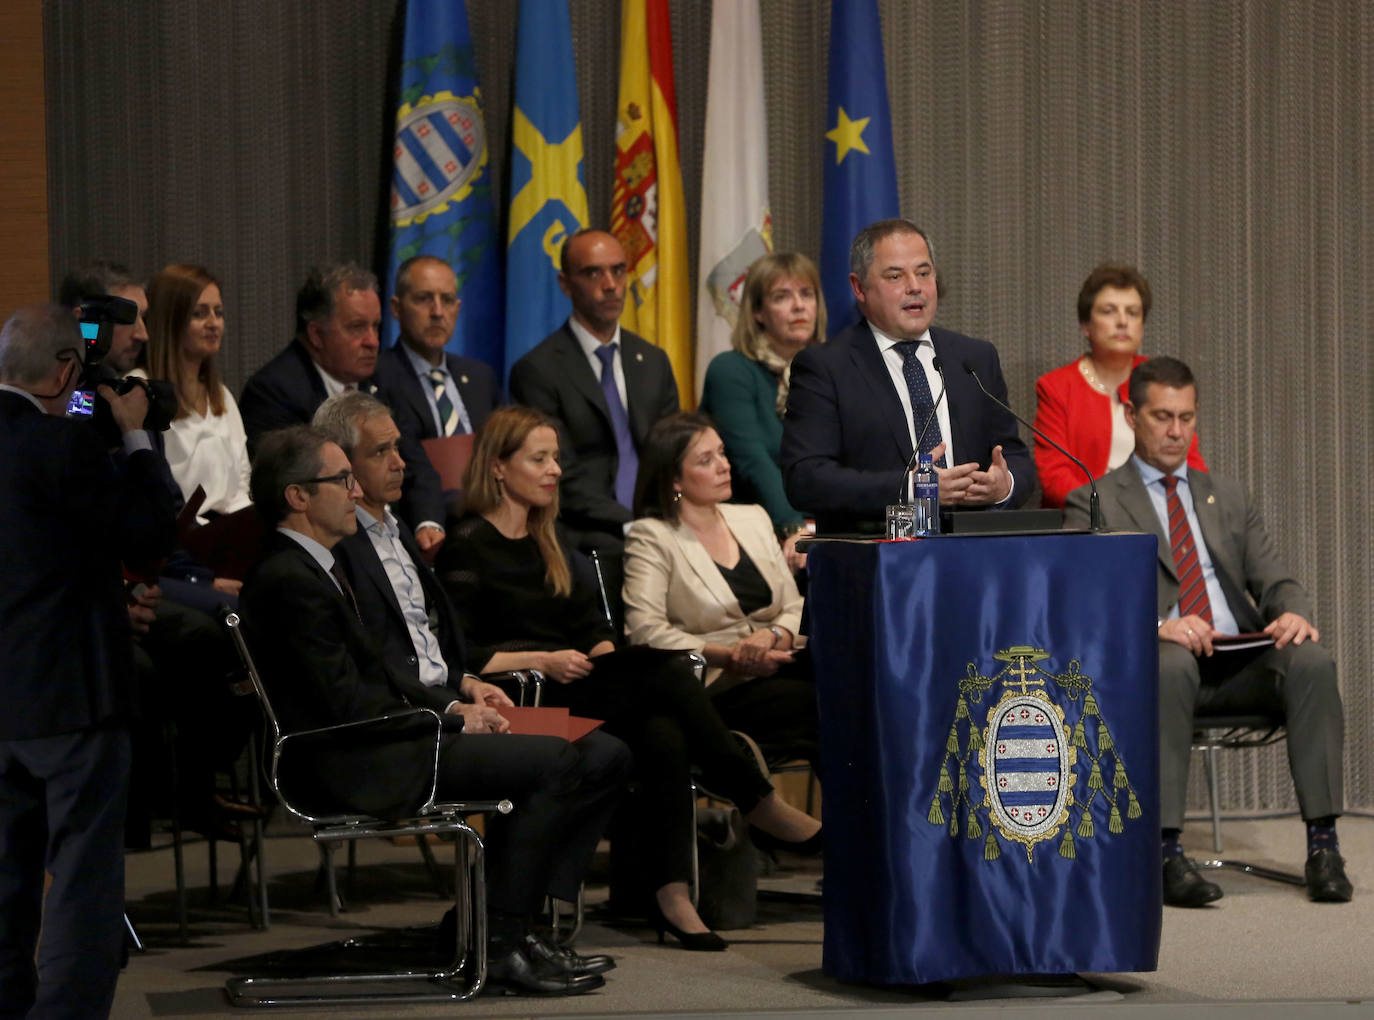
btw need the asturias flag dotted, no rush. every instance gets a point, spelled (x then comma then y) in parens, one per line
(441, 199)
(648, 213)
(860, 173)
(548, 198)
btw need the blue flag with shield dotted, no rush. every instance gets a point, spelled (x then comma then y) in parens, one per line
(441, 197)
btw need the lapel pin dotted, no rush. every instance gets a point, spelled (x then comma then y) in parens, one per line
(1211, 500)
(638, 356)
(463, 379)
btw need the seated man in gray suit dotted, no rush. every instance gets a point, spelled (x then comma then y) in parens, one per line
(1219, 574)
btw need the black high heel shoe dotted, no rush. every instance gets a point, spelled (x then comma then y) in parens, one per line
(812, 847)
(695, 941)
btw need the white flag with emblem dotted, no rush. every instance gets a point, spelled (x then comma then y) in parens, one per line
(735, 224)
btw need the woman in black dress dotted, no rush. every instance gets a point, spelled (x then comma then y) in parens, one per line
(510, 580)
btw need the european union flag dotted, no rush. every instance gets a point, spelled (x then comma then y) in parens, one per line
(860, 173)
(548, 200)
(441, 200)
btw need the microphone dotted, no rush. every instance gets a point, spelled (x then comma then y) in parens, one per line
(916, 450)
(1095, 522)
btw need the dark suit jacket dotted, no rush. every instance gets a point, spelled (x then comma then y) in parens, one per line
(288, 390)
(409, 405)
(382, 614)
(556, 378)
(322, 668)
(1257, 587)
(69, 515)
(845, 441)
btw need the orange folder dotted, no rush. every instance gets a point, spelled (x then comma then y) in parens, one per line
(547, 722)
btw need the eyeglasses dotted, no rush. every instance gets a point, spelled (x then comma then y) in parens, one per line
(345, 478)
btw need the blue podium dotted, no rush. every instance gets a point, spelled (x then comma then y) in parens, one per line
(990, 749)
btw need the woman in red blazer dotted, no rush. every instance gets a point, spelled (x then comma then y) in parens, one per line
(1079, 404)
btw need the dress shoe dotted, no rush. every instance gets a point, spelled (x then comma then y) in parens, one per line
(694, 941)
(1326, 881)
(564, 959)
(1184, 887)
(511, 972)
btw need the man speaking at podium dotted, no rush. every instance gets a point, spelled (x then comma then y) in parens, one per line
(860, 403)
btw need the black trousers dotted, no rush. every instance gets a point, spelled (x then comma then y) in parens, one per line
(62, 808)
(778, 711)
(653, 701)
(564, 795)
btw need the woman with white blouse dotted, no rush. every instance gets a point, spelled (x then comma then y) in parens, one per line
(206, 445)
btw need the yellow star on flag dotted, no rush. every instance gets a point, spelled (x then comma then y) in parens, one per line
(848, 134)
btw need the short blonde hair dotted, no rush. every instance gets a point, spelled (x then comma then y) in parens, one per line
(748, 336)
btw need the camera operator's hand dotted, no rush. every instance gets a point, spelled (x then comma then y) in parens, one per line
(128, 410)
(143, 602)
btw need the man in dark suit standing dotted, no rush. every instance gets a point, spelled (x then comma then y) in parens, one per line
(1219, 574)
(605, 388)
(433, 393)
(338, 316)
(858, 403)
(322, 667)
(69, 515)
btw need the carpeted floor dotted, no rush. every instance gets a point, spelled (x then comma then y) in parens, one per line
(1262, 951)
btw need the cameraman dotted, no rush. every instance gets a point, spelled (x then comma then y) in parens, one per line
(68, 516)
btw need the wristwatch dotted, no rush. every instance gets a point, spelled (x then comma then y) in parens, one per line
(778, 633)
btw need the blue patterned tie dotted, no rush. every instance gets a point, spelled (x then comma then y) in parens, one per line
(921, 401)
(628, 465)
(452, 419)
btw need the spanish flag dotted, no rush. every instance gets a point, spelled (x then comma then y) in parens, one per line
(648, 214)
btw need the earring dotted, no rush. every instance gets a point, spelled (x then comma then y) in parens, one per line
(677, 496)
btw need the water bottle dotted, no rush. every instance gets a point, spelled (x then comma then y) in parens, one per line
(925, 497)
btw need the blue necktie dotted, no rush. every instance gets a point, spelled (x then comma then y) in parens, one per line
(921, 401)
(628, 465)
(452, 419)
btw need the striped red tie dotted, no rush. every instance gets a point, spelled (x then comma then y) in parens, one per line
(1192, 597)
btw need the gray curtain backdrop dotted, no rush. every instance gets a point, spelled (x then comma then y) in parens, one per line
(1225, 148)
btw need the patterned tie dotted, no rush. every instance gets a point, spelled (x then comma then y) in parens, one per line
(1192, 598)
(921, 401)
(336, 572)
(454, 419)
(628, 466)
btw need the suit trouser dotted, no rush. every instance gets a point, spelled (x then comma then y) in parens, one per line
(62, 808)
(1298, 681)
(652, 700)
(564, 795)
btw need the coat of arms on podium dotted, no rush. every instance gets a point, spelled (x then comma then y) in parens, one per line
(1045, 760)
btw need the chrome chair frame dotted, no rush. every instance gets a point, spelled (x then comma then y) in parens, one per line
(464, 977)
(1213, 734)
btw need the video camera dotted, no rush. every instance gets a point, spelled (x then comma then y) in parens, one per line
(99, 315)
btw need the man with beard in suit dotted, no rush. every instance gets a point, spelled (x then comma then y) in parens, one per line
(858, 403)
(322, 666)
(1219, 574)
(604, 386)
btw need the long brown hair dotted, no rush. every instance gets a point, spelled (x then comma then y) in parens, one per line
(172, 295)
(499, 439)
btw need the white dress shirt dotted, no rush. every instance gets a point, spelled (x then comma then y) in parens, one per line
(590, 344)
(410, 594)
(422, 369)
(925, 353)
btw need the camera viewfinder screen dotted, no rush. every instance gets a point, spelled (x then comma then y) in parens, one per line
(82, 404)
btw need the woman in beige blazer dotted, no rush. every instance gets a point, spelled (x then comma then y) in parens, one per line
(708, 576)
